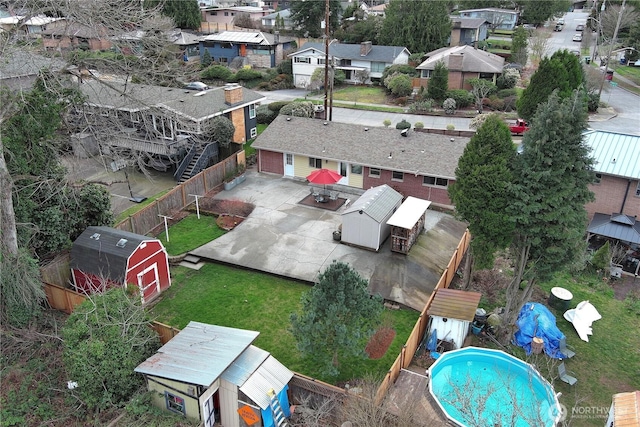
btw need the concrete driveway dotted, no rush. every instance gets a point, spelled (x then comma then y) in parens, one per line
(285, 238)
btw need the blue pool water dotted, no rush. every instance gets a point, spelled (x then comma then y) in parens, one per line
(482, 387)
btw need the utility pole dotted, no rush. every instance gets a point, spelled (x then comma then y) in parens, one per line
(615, 35)
(326, 56)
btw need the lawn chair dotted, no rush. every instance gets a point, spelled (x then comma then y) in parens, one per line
(564, 375)
(314, 192)
(565, 349)
(333, 196)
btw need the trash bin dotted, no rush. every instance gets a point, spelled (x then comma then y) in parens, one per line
(609, 75)
(560, 298)
(587, 60)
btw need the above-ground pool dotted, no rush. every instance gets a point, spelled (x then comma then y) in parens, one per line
(481, 387)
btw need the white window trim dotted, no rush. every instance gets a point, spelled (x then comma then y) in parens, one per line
(397, 179)
(252, 111)
(373, 175)
(254, 132)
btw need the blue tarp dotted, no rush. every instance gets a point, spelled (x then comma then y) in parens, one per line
(536, 320)
(267, 414)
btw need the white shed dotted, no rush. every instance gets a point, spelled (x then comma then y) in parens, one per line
(364, 223)
(451, 312)
(407, 224)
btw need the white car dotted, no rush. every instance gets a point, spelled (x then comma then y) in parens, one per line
(197, 86)
(577, 38)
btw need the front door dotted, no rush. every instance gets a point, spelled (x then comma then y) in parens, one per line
(288, 164)
(343, 170)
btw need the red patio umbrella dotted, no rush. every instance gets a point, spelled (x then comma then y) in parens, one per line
(324, 177)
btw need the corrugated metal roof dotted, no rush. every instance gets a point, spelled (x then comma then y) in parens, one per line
(240, 37)
(198, 354)
(377, 202)
(97, 251)
(454, 304)
(409, 212)
(270, 375)
(242, 368)
(626, 409)
(615, 154)
(616, 226)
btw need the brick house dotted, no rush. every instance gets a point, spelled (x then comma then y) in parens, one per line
(617, 168)
(463, 63)
(74, 35)
(468, 31)
(420, 164)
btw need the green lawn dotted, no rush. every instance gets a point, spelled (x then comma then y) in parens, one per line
(610, 362)
(362, 94)
(138, 206)
(238, 298)
(190, 233)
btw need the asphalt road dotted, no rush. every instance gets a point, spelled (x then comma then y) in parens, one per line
(626, 104)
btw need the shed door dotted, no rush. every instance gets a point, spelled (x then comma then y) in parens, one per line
(149, 282)
(207, 407)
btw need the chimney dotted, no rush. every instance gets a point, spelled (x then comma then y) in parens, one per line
(365, 48)
(455, 61)
(232, 93)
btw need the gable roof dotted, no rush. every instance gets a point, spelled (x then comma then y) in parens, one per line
(473, 60)
(97, 251)
(284, 14)
(418, 153)
(198, 354)
(76, 29)
(352, 51)
(22, 63)
(182, 38)
(489, 9)
(616, 226)
(616, 154)
(249, 37)
(376, 202)
(191, 104)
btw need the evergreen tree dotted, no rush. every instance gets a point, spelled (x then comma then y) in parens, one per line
(439, 82)
(562, 71)
(185, 13)
(420, 26)
(206, 59)
(519, 46)
(337, 318)
(307, 16)
(480, 192)
(549, 194)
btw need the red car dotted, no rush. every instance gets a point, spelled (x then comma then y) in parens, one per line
(519, 127)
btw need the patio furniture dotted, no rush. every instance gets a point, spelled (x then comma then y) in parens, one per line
(333, 196)
(563, 374)
(565, 349)
(315, 192)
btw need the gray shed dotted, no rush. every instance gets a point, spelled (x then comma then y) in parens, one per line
(364, 223)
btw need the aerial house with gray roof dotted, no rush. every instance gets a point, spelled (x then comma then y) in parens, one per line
(420, 164)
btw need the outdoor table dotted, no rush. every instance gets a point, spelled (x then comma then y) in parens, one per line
(560, 298)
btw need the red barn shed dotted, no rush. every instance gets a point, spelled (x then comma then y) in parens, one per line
(104, 257)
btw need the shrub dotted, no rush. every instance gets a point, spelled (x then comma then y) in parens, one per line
(400, 85)
(450, 127)
(449, 105)
(508, 79)
(264, 115)
(298, 109)
(509, 103)
(285, 67)
(421, 107)
(399, 69)
(403, 124)
(105, 338)
(593, 102)
(216, 72)
(386, 123)
(277, 105)
(504, 93)
(494, 103)
(402, 101)
(418, 125)
(281, 81)
(246, 74)
(463, 98)
(602, 258)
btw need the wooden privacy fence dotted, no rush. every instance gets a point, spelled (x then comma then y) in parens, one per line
(61, 298)
(413, 341)
(181, 196)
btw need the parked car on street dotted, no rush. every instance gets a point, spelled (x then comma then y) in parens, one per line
(519, 127)
(558, 27)
(580, 27)
(197, 86)
(577, 38)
